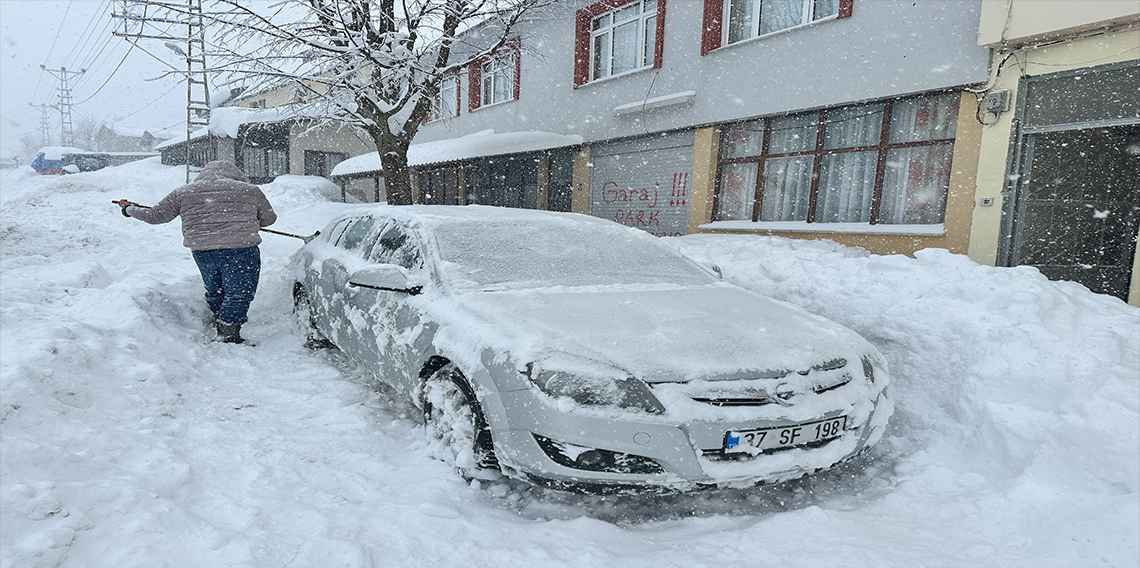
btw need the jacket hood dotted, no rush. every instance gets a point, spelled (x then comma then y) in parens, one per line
(221, 169)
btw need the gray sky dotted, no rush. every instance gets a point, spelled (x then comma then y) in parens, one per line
(77, 34)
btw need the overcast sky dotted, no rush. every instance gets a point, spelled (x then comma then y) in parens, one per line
(76, 34)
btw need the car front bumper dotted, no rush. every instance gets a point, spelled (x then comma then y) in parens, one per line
(592, 454)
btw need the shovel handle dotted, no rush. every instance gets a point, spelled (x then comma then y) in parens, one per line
(302, 237)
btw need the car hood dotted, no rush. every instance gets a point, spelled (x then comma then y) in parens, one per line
(670, 334)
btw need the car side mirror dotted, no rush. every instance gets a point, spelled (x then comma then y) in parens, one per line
(387, 277)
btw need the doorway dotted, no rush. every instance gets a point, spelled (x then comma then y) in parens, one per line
(1074, 206)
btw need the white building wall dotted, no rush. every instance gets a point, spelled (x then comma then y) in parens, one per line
(885, 48)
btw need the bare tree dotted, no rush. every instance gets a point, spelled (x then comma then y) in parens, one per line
(29, 146)
(84, 134)
(375, 64)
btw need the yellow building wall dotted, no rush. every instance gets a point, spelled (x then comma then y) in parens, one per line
(580, 200)
(1015, 22)
(997, 141)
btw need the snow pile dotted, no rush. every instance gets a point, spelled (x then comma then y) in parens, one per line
(128, 439)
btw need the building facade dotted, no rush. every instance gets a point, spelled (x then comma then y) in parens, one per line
(803, 118)
(1059, 177)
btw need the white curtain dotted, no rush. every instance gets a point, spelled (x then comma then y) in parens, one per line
(787, 189)
(737, 192)
(846, 187)
(915, 185)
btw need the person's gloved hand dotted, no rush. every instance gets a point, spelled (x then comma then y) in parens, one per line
(124, 203)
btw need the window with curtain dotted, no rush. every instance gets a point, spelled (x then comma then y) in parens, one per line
(886, 162)
(746, 19)
(623, 40)
(498, 76)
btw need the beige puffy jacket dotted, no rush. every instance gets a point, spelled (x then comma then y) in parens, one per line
(220, 209)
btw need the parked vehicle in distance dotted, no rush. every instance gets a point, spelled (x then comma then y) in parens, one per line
(583, 355)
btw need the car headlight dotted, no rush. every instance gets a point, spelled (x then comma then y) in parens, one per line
(602, 389)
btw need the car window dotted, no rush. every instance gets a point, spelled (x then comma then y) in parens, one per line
(333, 234)
(395, 246)
(355, 234)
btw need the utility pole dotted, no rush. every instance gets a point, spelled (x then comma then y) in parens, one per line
(45, 127)
(65, 132)
(191, 47)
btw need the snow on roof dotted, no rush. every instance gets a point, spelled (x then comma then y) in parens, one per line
(225, 122)
(57, 152)
(476, 145)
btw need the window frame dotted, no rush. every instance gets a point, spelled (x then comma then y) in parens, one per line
(475, 70)
(584, 35)
(715, 29)
(436, 112)
(820, 149)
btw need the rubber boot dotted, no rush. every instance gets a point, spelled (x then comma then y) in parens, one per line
(229, 332)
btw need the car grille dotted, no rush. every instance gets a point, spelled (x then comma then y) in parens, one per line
(779, 387)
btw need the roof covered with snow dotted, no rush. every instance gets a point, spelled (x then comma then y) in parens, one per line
(226, 121)
(476, 145)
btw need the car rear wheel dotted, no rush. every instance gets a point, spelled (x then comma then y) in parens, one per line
(457, 431)
(303, 315)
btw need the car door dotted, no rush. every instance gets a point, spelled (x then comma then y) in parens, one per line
(314, 279)
(332, 296)
(395, 341)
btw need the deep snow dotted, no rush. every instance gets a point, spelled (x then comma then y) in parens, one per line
(128, 439)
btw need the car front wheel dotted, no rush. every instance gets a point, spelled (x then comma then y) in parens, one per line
(456, 428)
(303, 315)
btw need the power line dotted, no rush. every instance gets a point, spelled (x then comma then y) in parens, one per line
(84, 38)
(116, 70)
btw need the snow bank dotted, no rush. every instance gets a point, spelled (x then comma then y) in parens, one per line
(127, 439)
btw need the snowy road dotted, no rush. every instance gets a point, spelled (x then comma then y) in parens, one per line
(129, 440)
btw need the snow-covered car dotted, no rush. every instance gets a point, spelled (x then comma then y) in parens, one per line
(583, 355)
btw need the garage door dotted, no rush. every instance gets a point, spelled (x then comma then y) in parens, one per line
(644, 183)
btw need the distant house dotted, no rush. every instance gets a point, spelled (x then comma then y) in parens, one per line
(269, 142)
(110, 138)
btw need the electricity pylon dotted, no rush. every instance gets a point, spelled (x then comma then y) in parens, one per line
(191, 47)
(66, 137)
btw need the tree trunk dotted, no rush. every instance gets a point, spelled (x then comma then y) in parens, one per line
(397, 176)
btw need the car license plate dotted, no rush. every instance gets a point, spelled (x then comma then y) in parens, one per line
(784, 437)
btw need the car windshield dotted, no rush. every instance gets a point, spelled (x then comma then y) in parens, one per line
(534, 255)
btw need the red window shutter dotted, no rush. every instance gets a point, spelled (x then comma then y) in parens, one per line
(845, 8)
(518, 68)
(711, 28)
(659, 47)
(582, 47)
(474, 85)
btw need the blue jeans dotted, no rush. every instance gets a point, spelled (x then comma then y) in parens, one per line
(231, 277)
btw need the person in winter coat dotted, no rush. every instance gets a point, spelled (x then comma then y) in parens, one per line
(221, 214)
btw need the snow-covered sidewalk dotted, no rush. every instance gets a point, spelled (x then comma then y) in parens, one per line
(127, 439)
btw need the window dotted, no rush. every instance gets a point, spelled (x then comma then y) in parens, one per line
(494, 79)
(322, 163)
(886, 162)
(445, 104)
(356, 233)
(623, 40)
(731, 21)
(265, 163)
(396, 247)
(498, 80)
(617, 36)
